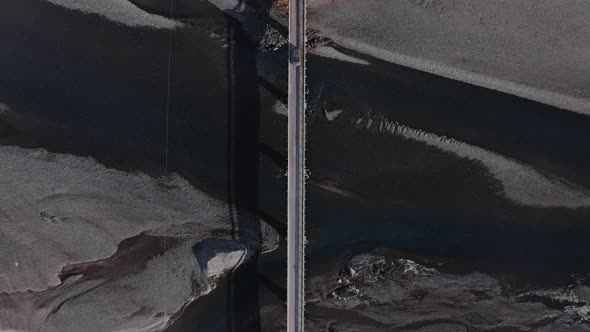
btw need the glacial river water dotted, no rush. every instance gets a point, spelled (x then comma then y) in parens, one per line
(83, 85)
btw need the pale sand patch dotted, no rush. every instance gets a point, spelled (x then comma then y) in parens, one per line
(330, 52)
(120, 11)
(521, 183)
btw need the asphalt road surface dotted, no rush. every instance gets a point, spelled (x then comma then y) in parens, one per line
(296, 176)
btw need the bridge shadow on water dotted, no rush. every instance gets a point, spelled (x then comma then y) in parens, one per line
(243, 147)
(243, 308)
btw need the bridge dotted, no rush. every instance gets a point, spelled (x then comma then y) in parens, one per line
(296, 169)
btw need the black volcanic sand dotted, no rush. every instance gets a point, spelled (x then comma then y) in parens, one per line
(422, 203)
(420, 200)
(426, 203)
(539, 135)
(80, 84)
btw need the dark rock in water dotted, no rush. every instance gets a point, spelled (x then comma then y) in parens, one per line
(377, 293)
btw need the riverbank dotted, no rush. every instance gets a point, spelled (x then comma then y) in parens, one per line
(531, 49)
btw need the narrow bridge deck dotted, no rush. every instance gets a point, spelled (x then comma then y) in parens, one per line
(296, 174)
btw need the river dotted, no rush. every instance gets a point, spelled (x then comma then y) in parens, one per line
(83, 85)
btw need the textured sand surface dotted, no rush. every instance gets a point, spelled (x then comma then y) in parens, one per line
(89, 248)
(330, 52)
(120, 11)
(521, 183)
(538, 50)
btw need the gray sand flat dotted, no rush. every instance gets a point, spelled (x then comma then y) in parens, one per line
(536, 49)
(329, 52)
(131, 249)
(120, 11)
